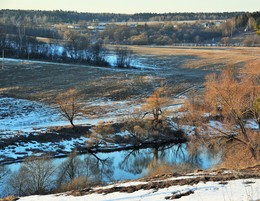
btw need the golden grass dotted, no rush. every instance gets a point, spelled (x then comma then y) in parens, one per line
(8, 198)
(162, 169)
(237, 157)
(39, 81)
(205, 56)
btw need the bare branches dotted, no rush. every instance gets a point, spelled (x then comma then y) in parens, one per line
(124, 57)
(154, 104)
(233, 96)
(69, 105)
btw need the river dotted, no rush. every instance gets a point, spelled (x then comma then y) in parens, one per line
(129, 165)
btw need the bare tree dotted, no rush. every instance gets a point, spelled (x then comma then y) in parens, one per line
(69, 105)
(33, 177)
(19, 182)
(251, 23)
(123, 57)
(149, 119)
(21, 34)
(228, 28)
(96, 54)
(78, 43)
(154, 104)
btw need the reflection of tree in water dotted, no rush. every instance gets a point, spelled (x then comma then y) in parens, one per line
(135, 161)
(91, 167)
(168, 154)
(200, 156)
(100, 169)
(159, 160)
(174, 156)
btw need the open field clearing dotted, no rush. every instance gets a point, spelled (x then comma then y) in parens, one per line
(43, 81)
(178, 68)
(205, 57)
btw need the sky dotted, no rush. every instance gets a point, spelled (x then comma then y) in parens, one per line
(134, 6)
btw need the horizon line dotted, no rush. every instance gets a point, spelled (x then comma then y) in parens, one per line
(101, 12)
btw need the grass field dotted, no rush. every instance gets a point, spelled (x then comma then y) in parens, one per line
(205, 57)
(178, 67)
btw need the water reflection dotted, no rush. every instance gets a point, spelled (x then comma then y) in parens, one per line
(134, 164)
(124, 165)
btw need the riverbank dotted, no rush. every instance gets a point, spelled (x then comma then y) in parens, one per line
(217, 185)
(62, 141)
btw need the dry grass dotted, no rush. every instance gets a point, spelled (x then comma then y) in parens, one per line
(43, 81)
(206, 56)
(75, 184)
(237, 156)
(9, 198)
(164, 169)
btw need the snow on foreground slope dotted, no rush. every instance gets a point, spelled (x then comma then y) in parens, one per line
(213, 186)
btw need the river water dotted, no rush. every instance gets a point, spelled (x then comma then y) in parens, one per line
(130, 164)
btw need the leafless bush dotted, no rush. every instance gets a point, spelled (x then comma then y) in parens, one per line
(33, 177)
(75, 184)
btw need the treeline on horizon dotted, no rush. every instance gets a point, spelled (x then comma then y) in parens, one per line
(59, 16)
(41, 35)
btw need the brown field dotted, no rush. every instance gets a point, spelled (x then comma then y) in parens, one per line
(206, 56)
(179, 68)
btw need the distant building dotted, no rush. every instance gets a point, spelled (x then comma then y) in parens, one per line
(73, 27)
(132, 25)
(99, 27)
(218, 23)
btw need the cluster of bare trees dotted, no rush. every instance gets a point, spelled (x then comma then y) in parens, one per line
(150, 122)
(40, 175)
(222, 116)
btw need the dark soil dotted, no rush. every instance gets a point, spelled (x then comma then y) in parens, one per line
(54, 135)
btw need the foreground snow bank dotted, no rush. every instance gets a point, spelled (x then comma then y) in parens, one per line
(216, 189)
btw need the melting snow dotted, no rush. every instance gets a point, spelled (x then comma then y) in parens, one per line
(235, 190)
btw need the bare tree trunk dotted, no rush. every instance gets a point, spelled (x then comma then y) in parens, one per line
(73, 125)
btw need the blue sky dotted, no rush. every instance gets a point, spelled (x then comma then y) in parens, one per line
(135, 6)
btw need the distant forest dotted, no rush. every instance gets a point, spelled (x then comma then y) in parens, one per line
(64, 36)
(59, 16)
